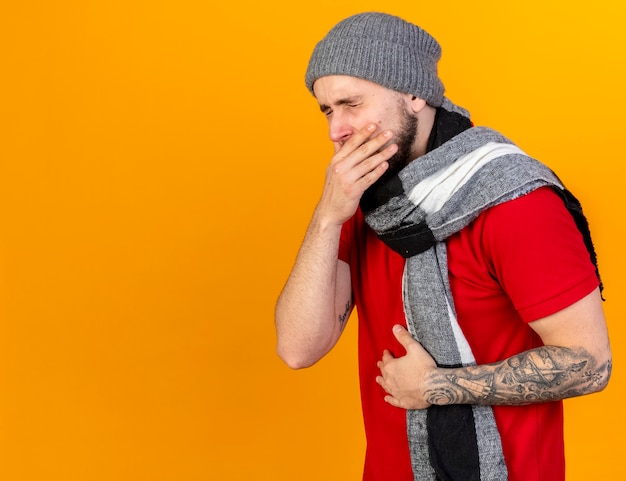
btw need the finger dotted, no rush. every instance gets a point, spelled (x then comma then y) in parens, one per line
(403, 336)
(381, 382)
(363, 167)
(393, 401)
(360, 137)
(387, 356)
(355, 141)
(363, 144)
(363, 163)
(374, 144)
(372, 168)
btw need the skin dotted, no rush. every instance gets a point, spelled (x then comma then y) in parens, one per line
(575, 361)
(316, 301)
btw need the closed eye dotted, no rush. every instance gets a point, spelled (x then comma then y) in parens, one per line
(350, 102)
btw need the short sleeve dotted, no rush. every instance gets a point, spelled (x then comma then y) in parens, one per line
(537, 254)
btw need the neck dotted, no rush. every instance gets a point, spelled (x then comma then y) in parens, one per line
(425, 124)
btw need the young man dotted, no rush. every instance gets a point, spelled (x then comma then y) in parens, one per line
(470, 264)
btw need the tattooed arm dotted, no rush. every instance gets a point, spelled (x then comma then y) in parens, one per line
(316, 301)
(542, 374)
(314, 306)
(575, 360)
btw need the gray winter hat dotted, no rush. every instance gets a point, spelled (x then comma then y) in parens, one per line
(381, 48)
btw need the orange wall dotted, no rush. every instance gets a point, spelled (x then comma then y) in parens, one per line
(158, 164)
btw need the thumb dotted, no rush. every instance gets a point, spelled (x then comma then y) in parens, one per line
(403, 336)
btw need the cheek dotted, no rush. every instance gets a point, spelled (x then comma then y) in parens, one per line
(387, 118)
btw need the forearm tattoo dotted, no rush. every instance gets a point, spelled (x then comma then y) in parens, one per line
(343, 318)
(543, 374)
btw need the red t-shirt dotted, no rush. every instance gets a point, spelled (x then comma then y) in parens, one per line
(516, 263)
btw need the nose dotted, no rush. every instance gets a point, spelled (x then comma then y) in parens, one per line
(340, 130)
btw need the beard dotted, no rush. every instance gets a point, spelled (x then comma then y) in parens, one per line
(404, 139)
(377, 193)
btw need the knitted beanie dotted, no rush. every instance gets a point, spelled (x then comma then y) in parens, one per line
(381, 48)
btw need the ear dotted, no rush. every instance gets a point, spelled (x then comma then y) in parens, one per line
(417, 104)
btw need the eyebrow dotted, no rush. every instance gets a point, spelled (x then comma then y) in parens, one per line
(344, 101)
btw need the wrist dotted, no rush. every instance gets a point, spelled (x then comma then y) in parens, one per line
(326, 221)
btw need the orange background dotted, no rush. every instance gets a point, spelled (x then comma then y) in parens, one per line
(159, 161)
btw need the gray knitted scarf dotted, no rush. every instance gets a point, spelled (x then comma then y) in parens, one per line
(414, 212)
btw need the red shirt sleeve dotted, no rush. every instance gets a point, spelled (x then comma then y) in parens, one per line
(538, 254)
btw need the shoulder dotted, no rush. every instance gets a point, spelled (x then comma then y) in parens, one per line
(538, 218)
(531, 207)
(536, 252)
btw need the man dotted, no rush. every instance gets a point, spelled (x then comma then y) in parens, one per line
(430, 224)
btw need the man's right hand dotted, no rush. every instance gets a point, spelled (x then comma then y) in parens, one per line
(316, 301)
(356, 165)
